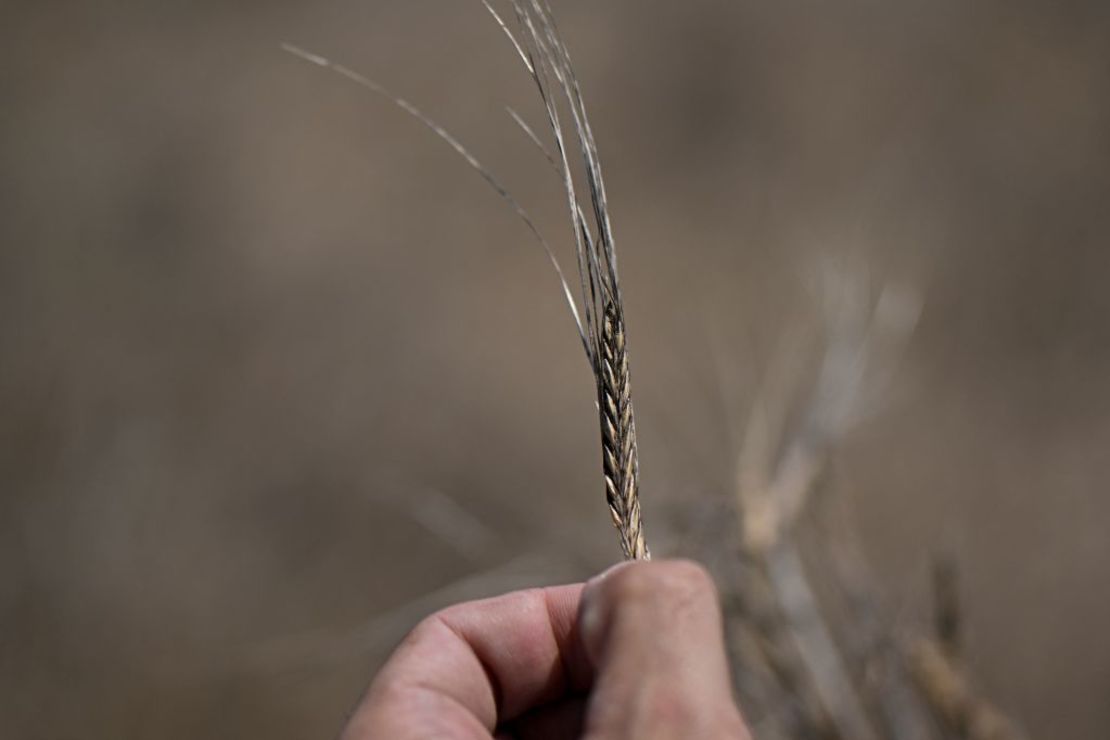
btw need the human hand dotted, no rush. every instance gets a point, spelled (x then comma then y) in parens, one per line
(636, 652)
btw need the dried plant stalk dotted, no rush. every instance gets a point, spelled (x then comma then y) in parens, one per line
(950, 692)
(827, 662)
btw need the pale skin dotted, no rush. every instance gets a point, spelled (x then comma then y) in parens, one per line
(636, 652)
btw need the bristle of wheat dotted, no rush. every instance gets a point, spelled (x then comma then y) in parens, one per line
(598, 312)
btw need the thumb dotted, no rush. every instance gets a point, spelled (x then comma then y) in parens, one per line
(653, 632)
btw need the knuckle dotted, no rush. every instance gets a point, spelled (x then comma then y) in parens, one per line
(428, 626)
(428, 630)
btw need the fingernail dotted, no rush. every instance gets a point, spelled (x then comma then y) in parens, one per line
(591, 616)
(594, 583)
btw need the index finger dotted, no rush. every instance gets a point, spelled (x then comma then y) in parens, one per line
(466, 669)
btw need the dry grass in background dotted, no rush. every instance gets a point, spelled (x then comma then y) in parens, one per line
(258, 337)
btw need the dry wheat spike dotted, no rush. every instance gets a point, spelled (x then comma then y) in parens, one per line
(598, 311)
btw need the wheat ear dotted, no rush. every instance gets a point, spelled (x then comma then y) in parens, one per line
(599, 311)
(545, 56)
(618, 438)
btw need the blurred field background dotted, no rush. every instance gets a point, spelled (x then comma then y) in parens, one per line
(279, 375)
